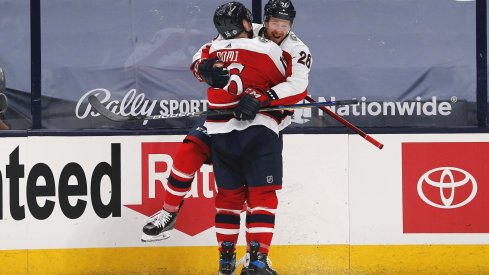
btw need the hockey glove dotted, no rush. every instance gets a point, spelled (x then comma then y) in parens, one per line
(250, 103)
(212, 72)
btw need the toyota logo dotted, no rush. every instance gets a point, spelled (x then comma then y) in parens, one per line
(442, 184)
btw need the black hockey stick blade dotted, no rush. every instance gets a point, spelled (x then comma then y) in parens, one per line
(97, 105)
(3, 103)
(3, 87)
(3, 96)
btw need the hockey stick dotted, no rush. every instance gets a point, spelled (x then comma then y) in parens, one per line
(3, 96)
(349, 125)
(97, 105)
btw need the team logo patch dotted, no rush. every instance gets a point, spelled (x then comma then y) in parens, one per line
(444, 187)
(269, 179)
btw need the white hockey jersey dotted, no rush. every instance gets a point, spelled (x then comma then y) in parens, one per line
(301, 63)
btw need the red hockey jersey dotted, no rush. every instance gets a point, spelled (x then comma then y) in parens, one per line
(256, 62)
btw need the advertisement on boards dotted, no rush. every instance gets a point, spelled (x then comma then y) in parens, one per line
(445, 187)
(89, 192)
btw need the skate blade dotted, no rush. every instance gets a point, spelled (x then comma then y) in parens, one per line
(159, 237)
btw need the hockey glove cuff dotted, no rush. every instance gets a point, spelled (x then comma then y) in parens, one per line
(261, 95)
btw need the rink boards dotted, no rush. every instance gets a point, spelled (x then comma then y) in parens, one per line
(77, 205)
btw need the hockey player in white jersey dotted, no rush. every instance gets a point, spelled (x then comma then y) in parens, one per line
(279, 16)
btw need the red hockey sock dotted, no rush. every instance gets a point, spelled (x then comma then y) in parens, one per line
(229, 204)
(187, 161)
(260, 217)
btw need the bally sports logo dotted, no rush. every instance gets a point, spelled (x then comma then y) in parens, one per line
(445, 187)
(198, 212)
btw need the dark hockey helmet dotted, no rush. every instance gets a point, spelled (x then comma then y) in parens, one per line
(228, 19)
(282, 9)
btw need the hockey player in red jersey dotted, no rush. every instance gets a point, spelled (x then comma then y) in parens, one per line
(279, 16)
(246, 146)
(194, 150)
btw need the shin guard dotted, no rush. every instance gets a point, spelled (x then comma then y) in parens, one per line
(187, 161)
(260, 217)
(229, 205)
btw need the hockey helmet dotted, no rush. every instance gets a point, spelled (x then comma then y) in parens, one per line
(282, 9)
(228, 19)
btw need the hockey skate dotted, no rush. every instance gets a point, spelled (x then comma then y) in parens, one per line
(257, 263)
(159, 226)
(227, 259)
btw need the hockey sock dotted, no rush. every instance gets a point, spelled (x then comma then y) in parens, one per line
(229, 204)
(187, 161)
(260, 217)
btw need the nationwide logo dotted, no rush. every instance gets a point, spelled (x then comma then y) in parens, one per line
(198, 211)
(419, 107)
(444, 187)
